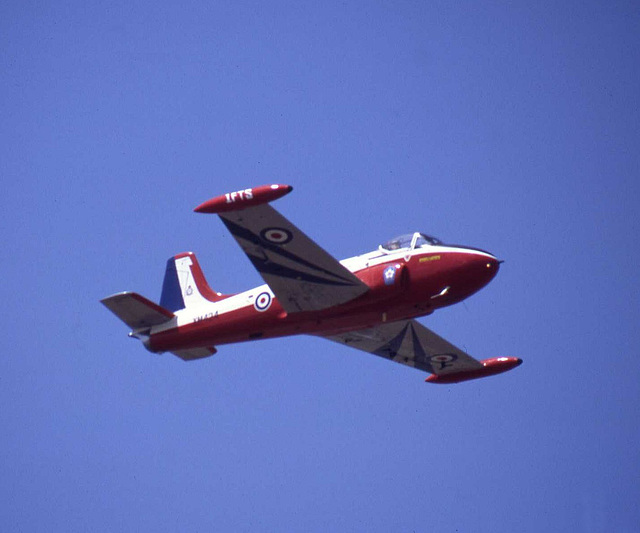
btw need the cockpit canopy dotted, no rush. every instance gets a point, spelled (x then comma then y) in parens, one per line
(410, 241)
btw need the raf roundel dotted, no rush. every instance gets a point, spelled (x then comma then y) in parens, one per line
(276, 235)
(263, 302)
(443, 359)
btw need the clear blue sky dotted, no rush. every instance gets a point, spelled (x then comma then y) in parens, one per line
(511, 126)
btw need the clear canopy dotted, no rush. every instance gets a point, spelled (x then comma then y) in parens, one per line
(411, 241)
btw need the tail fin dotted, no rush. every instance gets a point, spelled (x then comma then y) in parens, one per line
(185, 285)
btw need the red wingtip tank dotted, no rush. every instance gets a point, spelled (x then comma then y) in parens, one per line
(237, 200)
(490, 367)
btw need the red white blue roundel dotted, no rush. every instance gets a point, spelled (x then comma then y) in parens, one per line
(263, 302)
(389, 275)
(276, 235)
(443, 359)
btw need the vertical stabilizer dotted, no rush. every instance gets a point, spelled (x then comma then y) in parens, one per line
(185, 285)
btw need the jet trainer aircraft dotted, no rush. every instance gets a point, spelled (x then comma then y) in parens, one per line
(367, 302)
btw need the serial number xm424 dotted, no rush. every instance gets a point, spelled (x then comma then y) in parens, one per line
(368, 302)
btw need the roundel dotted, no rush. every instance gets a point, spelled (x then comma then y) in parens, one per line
(276, 235)
(389, 275)
(263, 301)
(443, 358)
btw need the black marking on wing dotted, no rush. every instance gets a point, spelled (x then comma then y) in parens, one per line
(420, 357)
(391, 349)
(392, 346)
(265, 266)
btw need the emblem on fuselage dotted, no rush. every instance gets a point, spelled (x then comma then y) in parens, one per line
(389, 275)
(263, 302)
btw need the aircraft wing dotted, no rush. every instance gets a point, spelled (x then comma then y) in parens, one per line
(302, 275)
(410, 343)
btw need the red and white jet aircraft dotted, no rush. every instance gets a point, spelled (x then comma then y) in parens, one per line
(367, 302)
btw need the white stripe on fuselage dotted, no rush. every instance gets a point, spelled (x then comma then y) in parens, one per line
(210, 309)
(207, 309)
(377, 257)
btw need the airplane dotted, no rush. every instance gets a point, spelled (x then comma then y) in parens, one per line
(368, 302)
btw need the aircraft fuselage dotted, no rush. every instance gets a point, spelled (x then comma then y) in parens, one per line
(402, 285)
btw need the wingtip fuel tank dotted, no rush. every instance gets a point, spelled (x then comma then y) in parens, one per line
(490, 367)
(237, 200)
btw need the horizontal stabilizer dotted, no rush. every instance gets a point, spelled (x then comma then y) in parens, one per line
(136, 311)
(191, 354)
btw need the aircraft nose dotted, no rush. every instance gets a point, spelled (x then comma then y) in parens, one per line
(482, 268)
(483, 260)
(489, 265)
(469, 272)
(492, 264)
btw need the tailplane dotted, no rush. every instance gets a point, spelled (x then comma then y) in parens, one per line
(141, 315)
(191, 354)
(185, 285)
(136, 311)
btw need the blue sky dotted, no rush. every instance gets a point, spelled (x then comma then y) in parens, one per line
(511, 126)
